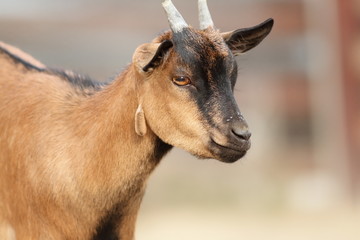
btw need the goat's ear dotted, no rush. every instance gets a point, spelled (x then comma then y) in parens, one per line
(244, 39)
(149, 55)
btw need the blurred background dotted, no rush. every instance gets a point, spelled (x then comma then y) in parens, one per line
(299, 91)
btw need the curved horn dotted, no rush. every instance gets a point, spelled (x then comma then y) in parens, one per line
(176, 21)
(204, 15)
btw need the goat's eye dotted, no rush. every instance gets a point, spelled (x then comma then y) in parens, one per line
(181, 81)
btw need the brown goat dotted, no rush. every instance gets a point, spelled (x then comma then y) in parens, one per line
(75, 154)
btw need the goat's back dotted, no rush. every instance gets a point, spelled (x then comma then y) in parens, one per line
(35, 107)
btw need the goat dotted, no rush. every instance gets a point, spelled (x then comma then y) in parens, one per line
(75, 154)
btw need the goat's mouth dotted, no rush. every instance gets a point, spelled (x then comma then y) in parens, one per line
(229, 152)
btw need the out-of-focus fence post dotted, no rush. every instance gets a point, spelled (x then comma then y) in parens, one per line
(349, 17)
(328, 105)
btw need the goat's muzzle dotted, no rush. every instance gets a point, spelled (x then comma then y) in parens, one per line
(232, 142)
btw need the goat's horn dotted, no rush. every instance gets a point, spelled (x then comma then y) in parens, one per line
(177, 22)
(204, 15)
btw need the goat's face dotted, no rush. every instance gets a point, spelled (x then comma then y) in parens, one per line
(187, 89)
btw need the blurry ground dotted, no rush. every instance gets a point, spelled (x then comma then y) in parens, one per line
(215, 201)
(232, 224)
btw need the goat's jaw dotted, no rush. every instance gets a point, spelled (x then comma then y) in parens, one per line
(228, 153)
(222, 148)
(230, 142)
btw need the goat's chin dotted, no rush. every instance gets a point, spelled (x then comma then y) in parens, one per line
(228, 157)
(212, 150)
(231, 158)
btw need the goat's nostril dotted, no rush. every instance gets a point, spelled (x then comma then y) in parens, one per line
(243, 134)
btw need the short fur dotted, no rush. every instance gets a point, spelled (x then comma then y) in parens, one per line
(72, 165)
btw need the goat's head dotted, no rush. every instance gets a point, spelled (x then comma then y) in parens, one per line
(187, 82)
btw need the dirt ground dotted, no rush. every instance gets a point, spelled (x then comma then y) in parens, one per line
(192, 224)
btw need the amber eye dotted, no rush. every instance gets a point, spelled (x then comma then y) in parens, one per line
(181, 81)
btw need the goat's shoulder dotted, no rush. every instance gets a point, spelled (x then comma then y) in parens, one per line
(19, 58)
(79, 81)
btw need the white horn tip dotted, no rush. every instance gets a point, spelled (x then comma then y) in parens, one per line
(204, 15)
(177, 22)
(166, 2)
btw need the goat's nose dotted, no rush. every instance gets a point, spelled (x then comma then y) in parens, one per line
(241, 132)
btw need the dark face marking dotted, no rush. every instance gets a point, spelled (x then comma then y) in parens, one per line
(212, 69)
(204, 57)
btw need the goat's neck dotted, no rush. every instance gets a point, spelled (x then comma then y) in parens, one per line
(118, 161)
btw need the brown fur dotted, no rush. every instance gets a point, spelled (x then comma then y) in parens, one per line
(74, 160)
(68, 155)
(70, 161)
